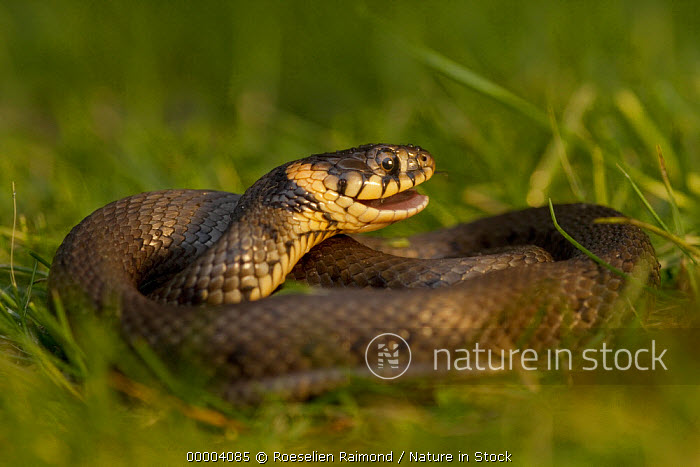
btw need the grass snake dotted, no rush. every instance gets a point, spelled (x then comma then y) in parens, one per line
(189, 273)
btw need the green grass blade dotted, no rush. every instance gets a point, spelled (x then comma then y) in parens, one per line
(480, 84)
(13, 280)
(38, 257)
(643, 198)
(691, 251)
(633, 280)
(657, 188)
(574, 182)
(632, 109)
(28, 294)
(583, 249)
(599, 179)
(23, 270)
(671, 197)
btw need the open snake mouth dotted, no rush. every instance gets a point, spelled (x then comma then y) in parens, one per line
(404, 200)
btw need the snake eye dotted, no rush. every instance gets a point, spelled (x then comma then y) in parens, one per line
(389, 162)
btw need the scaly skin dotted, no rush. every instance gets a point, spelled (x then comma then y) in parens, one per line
(186, 271)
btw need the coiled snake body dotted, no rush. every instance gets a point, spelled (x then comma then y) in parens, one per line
(187, 272)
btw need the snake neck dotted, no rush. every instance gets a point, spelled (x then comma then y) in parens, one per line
(268, 234)
(277, 195)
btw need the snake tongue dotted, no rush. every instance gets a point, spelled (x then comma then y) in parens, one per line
(400, 201)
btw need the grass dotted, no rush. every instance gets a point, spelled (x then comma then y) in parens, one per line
(519, 103)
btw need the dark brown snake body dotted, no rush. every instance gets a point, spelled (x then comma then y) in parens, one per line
(186, 271)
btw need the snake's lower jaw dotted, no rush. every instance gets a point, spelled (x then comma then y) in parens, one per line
(382, 212)
(404, 201)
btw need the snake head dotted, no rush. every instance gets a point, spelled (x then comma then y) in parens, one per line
(361, 189)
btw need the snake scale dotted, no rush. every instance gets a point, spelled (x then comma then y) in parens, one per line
(189, 273)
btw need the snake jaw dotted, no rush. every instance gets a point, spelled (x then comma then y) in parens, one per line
(403, 200)
(385, 211)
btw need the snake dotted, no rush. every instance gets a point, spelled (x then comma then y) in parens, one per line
(195, 275)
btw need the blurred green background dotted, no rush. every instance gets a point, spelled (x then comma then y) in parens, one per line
(518, 101)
